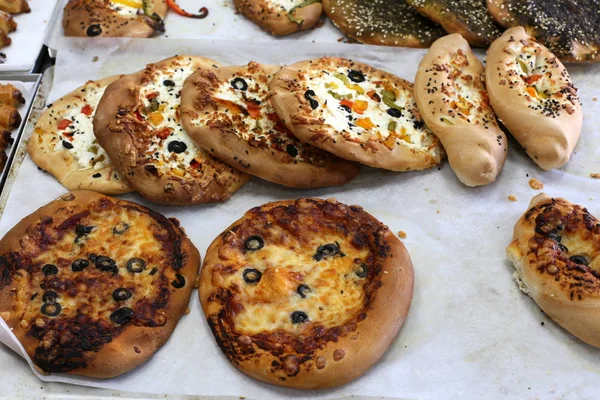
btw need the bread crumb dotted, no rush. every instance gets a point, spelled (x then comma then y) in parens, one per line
(595, 175)
(187, 311)
(437, 212)
(535, 184)
(594, 99)
(402, 234)
(512, 198)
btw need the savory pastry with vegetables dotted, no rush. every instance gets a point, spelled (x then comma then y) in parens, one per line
(14, 6)
(63, 142)
(138, 124)
(306, 293)
(470, 18)
(227, 112)
(7, 25)
(94, 286)
(452, 98)
(11, 98)
(281, 17)
(355, 112)
(556, 254)
(533, 95)
(383, 22)
(114, 18)
(571, 30)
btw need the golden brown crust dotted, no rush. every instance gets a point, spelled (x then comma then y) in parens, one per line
(258, 144)
(377, 146)
(534, 97)
(451, 95)
(276, 20)
(314, 353)
(61, 162)
(555, 251)
(76, 341)
(14, 6)
(95, 18)
(124, 131)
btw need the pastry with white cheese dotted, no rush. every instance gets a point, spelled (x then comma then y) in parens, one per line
(281, 17)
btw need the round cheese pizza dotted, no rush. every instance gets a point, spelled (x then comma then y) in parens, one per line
(307, 293)
(227, 111)
(114, 18)
(63, 142)
(138, 124)
(355, 112)
(281, 17)
(92, 285)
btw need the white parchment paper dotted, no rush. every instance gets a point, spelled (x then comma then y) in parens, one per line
(470, 332)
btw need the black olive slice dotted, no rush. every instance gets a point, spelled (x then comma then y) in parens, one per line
(291, 150)
(239, 84)
(121, 315)
(309, 95)
(252, 275)
(80, 265)
(179, 281)
(327, 250)
(50, 296)
(254, 243)
(362, 270)
(169, 83)
(93, 30)
(394, 112)
(176, 146)
(51, 309)
(67, 145)
(563, 247)
(136, 265)
(346, 108)
(356, 76)
(579, 260)
(92, 257)
(120, 228)
(104, 263)
(49, 269)
(302, 290)
(153, 271)
(121, 294)
(299, 317)
(81, 230)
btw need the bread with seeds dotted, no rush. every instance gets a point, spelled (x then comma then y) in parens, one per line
(281, 17)
(452, 98)
(533, 95)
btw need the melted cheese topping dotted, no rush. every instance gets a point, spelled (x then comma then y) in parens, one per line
(287, 5)
(124, 10)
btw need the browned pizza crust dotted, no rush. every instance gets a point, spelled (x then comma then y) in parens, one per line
(278, 21)
(89, 336)
(556, 254)
(93, 18)
(367, 260)
(124, 131)
(259, 143)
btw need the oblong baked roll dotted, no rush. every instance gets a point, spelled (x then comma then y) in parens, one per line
(531, 92)
(555, 251)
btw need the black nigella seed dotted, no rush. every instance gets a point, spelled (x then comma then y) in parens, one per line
(362, 270)
(93, 30)
(579, 260)
(254, 243)
(104, 263)
(121, 315)
(563, 247)
(121, 294)
(50, 296)
(299, 317)
(346, 108)
(356, 76)
(49, 269)
(252, 275)
(327, 250)
(120, 228)
(168, 82)
(309, 95)
(179, 281)
(239, 84)
(302, 290)
(51, 309)
(394, 112)
(177, 147)
(291, 150)
(80, 265)
(136, 265)
(67, 145)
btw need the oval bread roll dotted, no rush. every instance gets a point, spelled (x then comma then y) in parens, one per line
(451, 95)
(532, 94)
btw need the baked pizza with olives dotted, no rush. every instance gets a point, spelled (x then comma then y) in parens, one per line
(306, 293)
(138, 124)
(355, 112)
(227, 111)
(114, 18)
(281, 17)
(92, 285)
(63, 142)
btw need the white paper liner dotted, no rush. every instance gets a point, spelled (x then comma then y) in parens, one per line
(470, 333)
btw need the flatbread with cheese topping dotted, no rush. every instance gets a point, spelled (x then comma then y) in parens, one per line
(227, 111)
(355, 112)
(63, 142)
(92, 285)
(138, 124)
(281, 17)
(306, 293)
(114, 18)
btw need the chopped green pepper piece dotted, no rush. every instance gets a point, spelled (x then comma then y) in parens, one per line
(338, 96)
(305, 3)
(389, 98)
(447, 121)
(392, 126)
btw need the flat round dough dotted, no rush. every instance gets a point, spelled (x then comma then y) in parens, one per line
(306, 293)
(63, 142)
(355, 112)
(281, 17)
(138, 124)
(227, 111)
(92, 285)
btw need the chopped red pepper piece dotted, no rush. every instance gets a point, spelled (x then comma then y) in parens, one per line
(163, 133)
(152, 96)
(87, 109)
(64, 124)
(195, 164)
(347, 103)
(253, 109)
(530, 80)
(175, 7)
